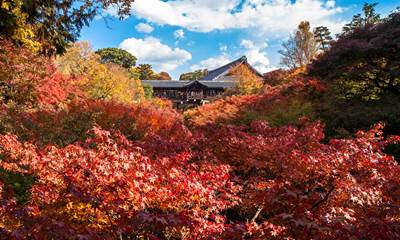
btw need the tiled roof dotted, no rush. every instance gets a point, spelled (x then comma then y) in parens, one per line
(221, 71)
(225, 79)
(216, 78)
(218, 84)
(214, 74)
(182, 84)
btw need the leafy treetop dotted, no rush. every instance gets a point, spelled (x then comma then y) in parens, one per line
(300, 49)
(363, 63)
(50, 25)
(323, 37)
(163, 76)
(99, 81)
(143, 72)
(196, 75)
(368, 19)
(118, 56)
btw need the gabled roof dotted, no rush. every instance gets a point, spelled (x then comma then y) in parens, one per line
(221, 71)
(183, 84)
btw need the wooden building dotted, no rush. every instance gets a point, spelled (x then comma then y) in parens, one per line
(196, 92)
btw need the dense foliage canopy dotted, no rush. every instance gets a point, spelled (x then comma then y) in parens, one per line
(143, 72)
(30, 80)
(163, 76)
(196, 75)
(365, 62)
(118, 56)
(246, 81)
(98, 78)
(226, 182)
(279, 105)
(50, 25)
(361, 72)
(83, 154)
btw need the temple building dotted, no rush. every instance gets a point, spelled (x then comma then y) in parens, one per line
(196, 92)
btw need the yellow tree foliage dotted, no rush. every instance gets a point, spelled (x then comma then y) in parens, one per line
(247, 82)
(23, 32)
(97, 80)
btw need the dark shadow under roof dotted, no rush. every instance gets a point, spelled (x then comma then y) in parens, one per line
(165, 83)
(218, 84)
(183, 84)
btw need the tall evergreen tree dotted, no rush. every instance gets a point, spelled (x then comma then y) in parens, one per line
(322, 37)
(143, 72)
(368, 19)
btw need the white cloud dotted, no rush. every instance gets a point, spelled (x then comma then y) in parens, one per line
(144, 27)
(330, 4)
(223, 47)
(256, 56)
(151, 50)
(248, 44)
(269, 17)
(211, 63)
(179, 34)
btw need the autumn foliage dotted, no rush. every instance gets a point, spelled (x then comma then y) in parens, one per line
(108, 187)
(278, 105)
(31, 80)
(295, 186)
(261, 182)
(70, 124)
(83, 160)
(106, 170)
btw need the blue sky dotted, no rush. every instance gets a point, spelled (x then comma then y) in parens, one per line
(183, 35)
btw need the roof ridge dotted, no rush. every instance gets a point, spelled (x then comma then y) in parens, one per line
(242, 59)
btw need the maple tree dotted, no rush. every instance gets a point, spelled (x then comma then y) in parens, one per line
(257, 181)
(283, 76)
(71, 123)
(107, 187)
(30, 80)
(84, 156)
(279, 105)
(294, 186)
(275, 77)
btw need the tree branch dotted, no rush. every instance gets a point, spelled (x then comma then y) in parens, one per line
(324, 198)
(257, 213)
